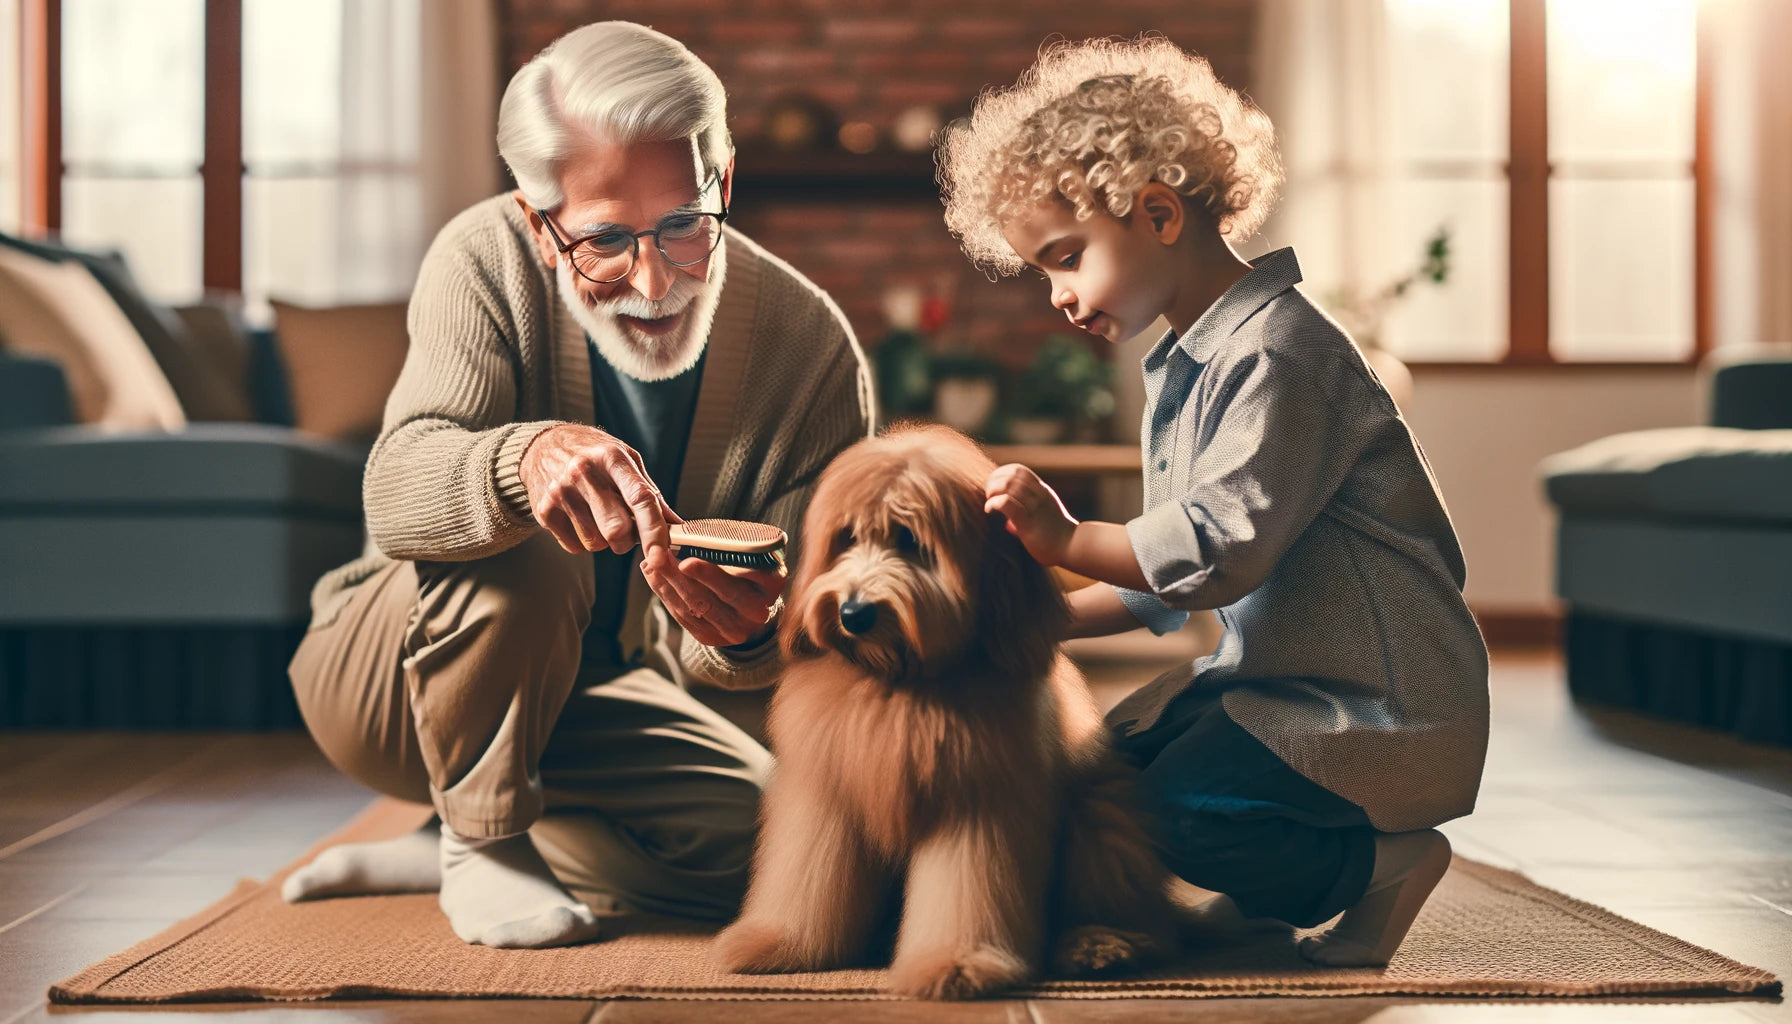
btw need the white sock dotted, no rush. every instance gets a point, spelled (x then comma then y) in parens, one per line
(1408, 865)
(499, 892)
(410, 863)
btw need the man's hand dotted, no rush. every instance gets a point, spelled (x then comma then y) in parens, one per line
(592, 493)
(1033, 510)
(718, 607)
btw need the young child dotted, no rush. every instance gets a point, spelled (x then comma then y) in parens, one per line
(1299, 770)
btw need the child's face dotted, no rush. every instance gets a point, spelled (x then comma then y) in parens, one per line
(1107, 275)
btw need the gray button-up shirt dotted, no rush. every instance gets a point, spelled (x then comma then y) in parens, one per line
(1283, 489)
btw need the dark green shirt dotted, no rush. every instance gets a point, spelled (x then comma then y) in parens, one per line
(653, 418)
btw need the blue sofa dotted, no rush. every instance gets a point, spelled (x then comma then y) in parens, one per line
(160, 580)
(1674, 558)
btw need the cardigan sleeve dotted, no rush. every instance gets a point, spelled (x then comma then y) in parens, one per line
(442, 480)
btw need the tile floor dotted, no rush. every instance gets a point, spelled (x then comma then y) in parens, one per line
(106, 838)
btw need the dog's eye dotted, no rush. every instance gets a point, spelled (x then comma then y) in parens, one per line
(843, 539)
(906, 542)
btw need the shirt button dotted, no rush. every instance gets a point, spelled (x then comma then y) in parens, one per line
(1163, 464)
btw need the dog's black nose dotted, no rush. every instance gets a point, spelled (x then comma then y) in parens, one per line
(858, 617)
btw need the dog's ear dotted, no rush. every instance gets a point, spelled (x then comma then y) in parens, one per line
(1021, 614)
(811, 549)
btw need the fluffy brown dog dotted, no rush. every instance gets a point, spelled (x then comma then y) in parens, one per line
(929, 730)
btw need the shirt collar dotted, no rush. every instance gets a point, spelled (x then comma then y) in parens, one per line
(1270, 275)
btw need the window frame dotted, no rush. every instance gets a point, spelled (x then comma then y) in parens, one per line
(1528, 175)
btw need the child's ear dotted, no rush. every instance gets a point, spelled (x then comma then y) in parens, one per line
(1163, 211)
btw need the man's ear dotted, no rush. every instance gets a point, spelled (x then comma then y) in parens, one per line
(544, 243)
(1163, 211)
(728, 182)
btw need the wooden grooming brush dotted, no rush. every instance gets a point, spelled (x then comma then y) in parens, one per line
(730, 542)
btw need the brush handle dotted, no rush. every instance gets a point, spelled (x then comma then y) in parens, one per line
(732, 535)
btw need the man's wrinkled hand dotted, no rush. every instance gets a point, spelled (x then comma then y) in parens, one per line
(592, 492)
(718, 607)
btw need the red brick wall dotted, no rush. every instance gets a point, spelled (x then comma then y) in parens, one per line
(868, 61)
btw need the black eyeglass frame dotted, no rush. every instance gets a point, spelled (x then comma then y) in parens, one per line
(634, 240)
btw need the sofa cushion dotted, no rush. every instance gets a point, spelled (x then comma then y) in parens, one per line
(207, 388)
(58, 310)
(1691, 472)
(213, 468)
(341, 363)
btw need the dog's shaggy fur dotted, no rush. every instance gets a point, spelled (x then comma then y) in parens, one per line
(944, 742)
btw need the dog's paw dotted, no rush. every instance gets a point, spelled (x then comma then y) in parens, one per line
(753, 947)
(1097, 949)
(957, 974)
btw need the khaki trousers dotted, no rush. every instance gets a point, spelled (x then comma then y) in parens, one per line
(459, 684)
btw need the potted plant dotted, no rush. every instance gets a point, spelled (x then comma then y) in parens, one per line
(1065, 389)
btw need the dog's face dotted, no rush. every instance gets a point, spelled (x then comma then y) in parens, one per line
(902, 573)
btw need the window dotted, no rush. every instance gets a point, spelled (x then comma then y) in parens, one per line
(331, 211)
(260, 146)
(1558, 140)
(133, 136)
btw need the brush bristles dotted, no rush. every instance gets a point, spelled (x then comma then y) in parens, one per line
(764, 561)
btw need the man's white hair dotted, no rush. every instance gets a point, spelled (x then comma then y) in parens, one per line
(614, 82)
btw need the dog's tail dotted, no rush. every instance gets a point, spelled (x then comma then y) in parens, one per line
(1113, 891)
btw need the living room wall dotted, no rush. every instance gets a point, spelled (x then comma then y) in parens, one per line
(868, 61)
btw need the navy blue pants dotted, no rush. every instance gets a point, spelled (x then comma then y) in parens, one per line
(1231, 816)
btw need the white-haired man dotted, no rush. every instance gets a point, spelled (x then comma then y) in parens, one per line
(587, 354)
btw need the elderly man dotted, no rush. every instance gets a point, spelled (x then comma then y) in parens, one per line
(587, 355)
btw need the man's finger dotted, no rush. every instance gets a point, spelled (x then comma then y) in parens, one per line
(553, 519)
(614, 524)
(646, 505)
(679, 610)
(696, 596)
(577, 510)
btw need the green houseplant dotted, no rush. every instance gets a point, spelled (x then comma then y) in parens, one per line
(1067, 388)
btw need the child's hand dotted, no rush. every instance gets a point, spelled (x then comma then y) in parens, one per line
(1033, 511)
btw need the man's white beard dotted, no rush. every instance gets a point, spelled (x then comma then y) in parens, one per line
(644, 356)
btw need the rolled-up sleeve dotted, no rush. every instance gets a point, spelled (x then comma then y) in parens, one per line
(1269, 449)
(1151, 611)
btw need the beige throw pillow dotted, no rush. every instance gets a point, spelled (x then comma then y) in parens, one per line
(341, 363)
(57, 310)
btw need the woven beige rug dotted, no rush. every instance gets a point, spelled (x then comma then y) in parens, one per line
(1486, 932)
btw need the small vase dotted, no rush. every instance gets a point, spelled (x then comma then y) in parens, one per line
(964, 403)
(1035, 430)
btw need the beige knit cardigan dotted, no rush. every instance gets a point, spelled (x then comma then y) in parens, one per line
(495, 358)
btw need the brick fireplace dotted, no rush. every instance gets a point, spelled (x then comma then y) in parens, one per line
(868, 61)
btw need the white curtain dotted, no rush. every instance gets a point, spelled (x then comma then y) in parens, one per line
(1323, 77)
(401, 138)
(1752, 106)
(459, 151)
(419, 122)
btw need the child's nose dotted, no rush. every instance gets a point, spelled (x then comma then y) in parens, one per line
(1064, 299)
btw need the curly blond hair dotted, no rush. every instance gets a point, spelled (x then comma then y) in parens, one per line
(1092, 123)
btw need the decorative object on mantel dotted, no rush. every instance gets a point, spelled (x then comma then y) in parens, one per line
(1066, 389)
(966, 390)
(798, 122)
(1363, 315)
(904, 371)
(858, 137)
(914, 129)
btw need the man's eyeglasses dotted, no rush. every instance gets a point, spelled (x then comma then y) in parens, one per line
(685, 239)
